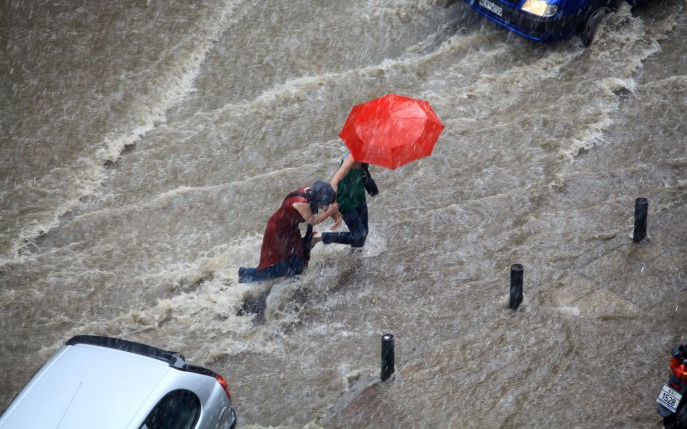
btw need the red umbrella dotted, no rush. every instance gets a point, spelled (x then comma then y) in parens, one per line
(391, 131)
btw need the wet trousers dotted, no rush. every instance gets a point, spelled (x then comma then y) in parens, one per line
(356, 221)
(291, 266)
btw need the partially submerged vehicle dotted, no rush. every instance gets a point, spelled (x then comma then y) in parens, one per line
(548, 20)
(102, 382)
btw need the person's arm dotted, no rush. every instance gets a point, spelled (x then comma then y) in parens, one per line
(346, 165)
(338, 218)
(314, 219)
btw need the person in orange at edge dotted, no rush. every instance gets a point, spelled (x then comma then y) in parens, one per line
(284, 252)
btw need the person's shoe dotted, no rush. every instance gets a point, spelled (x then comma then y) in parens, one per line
(242, 275)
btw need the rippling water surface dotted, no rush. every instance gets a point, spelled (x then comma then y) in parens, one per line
(145, 144)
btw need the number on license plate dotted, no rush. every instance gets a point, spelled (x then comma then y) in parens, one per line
(669, 398)
(491, 7)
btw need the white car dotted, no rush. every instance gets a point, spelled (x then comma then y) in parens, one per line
(102, 382)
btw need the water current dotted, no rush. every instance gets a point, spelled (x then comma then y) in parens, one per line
(144, 144)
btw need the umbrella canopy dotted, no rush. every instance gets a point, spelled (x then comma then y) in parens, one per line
(391, 131)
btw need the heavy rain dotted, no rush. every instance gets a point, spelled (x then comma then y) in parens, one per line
(144, 145)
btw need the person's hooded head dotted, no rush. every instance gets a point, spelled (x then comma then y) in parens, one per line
(321, 195)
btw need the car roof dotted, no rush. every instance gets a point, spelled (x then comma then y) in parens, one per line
(85, 385)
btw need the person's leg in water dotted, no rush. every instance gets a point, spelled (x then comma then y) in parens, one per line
(291, 266)
(356, 221)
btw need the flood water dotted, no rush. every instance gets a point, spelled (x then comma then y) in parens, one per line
(144, 144)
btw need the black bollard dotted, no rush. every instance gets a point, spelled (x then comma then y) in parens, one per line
(641, 215)
(387, 356)
(515, 286)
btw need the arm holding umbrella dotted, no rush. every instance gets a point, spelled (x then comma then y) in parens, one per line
(348, 163)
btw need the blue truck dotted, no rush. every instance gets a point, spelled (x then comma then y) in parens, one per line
(548, 20)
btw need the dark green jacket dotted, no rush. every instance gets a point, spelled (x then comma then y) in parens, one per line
(351, 189)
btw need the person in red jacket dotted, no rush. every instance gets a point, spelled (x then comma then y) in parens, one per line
(284, 252)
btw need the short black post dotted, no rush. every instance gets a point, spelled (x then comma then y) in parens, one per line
(387, 356)
(515, 286)
(641, 215)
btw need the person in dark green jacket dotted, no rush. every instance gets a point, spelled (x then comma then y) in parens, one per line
(349, 184)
